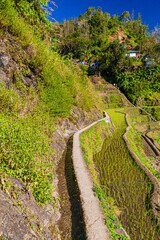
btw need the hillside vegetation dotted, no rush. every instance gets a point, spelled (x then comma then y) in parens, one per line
(37, 87)
(45, 96)
(96, 36)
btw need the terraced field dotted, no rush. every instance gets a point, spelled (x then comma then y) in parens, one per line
(124, 182)
(124, 188)
(147, 149)
(126, 185)
(112, 96)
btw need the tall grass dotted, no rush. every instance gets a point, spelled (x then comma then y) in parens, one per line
(60, 85)
(25, 153)
(29, 114)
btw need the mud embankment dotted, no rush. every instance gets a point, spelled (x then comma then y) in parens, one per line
(153, 142)
(152, 145)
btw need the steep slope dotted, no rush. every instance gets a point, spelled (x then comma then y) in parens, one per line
(110, 93)
(32, 144)
(43, 100)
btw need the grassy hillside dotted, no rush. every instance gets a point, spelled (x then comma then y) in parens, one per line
(37, 87)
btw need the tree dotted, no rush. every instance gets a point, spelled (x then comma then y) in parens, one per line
(125, 17)
(156, 33)
(90, 11)
(113, 61)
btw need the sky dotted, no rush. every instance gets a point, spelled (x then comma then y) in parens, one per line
(149, 9)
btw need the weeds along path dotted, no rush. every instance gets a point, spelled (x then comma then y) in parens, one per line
(125, 182)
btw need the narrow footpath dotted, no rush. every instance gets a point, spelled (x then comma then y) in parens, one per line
(93, 215)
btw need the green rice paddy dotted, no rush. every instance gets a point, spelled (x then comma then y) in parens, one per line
(123, 180)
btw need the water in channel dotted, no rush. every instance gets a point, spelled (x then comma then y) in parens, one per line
(71, 224)
(124, 181)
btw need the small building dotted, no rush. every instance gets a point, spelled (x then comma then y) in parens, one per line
(94, 69)
(132, 53)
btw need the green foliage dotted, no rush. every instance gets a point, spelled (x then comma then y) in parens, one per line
(109, 214)
(96, 36)
(25, 153)
(114, 23)
(95, 30)
(87, 34)
(113, 61)
(136, 30)
(92, 139)
(75, 45)
(125, 17)
(58, 84)
(154, 111)
(140, 84)
(28, 114)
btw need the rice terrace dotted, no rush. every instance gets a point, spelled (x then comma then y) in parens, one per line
(79, 120)
(123, 188)
(126, 184)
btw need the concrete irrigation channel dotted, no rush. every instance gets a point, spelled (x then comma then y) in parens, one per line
(81, 215)
(71, 223)
(93, 215)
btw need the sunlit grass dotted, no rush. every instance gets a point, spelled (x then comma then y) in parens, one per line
(29, 114)
(126, 183)
(121, 185)
(91, 143)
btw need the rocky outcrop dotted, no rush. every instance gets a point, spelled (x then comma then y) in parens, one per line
(120, 35)
(11, 67)
(20, 216)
